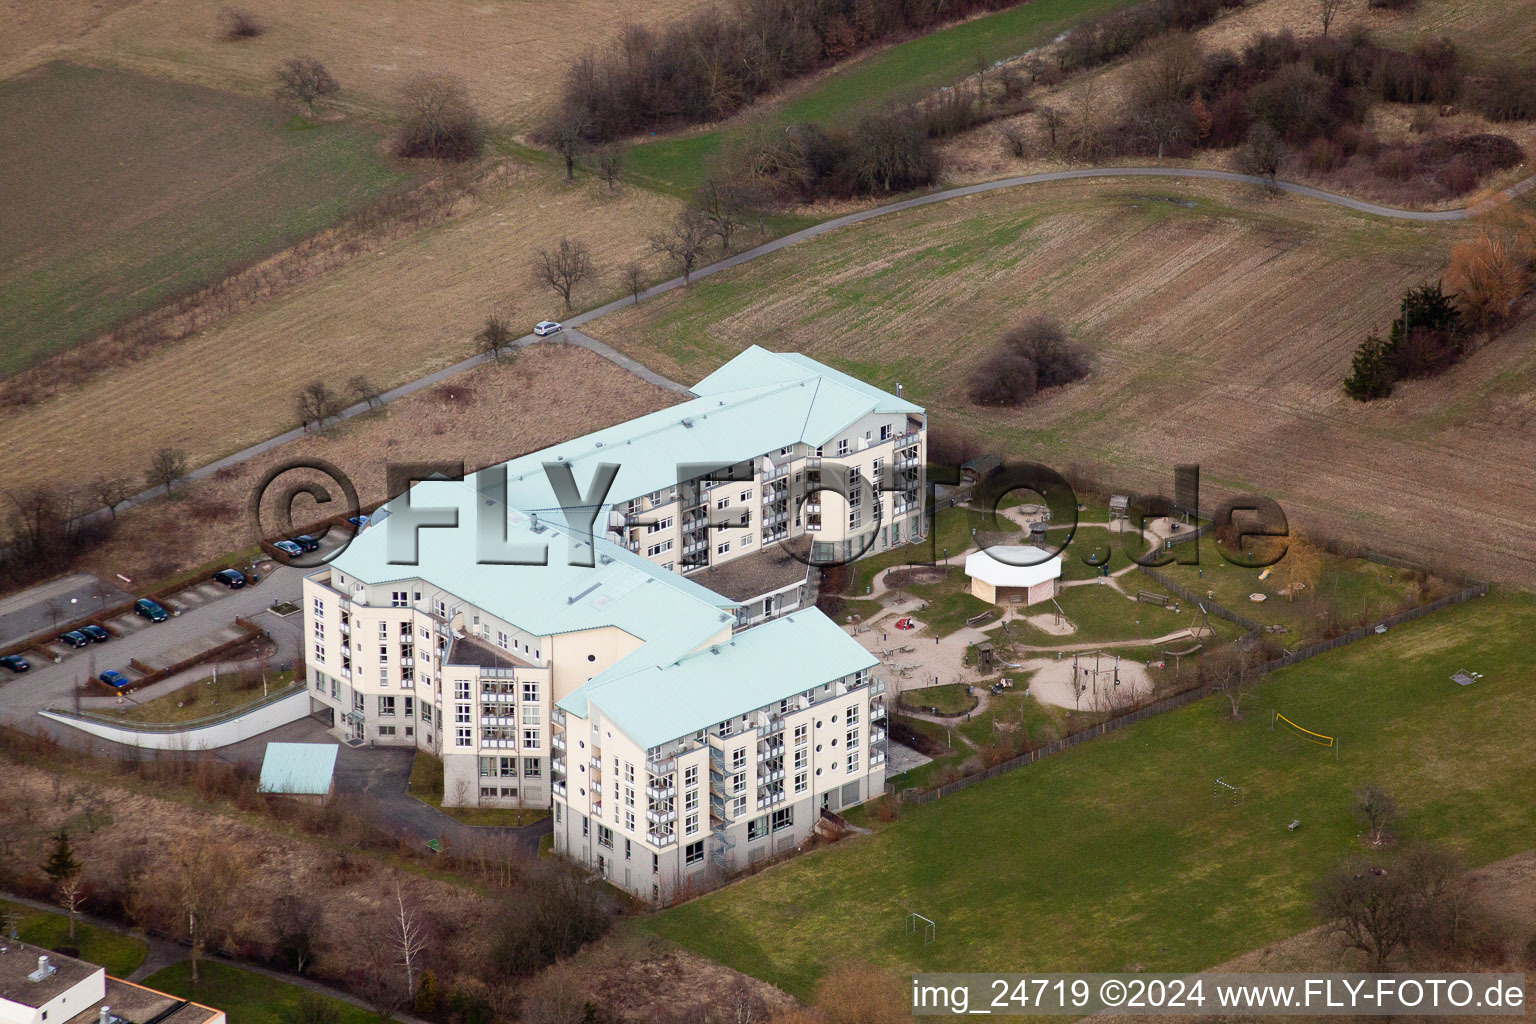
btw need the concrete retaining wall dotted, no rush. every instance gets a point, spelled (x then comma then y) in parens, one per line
(280, 711)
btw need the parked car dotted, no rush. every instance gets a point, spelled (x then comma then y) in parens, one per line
(306, 542)
(544, 328)
(96, 633)
(289, 548)
(147, 609)
(75, 638)
(358, 521)
(15, 662)
(234, 579)
(114, 679)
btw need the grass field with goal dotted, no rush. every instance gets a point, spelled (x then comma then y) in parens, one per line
(1116, 854)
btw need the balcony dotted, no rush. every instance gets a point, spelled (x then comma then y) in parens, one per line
(661, 817)
(346, 628)
(764, 778)
(557, 766)
(557, 716)
(661, 765)
(775, 472)
(597, 765)
(876, 735)
(876, 758)
(876, 711)
(557, 741)
(661, 791)
(769, 751)
(661, 838)
(559, 788)
(769, 799)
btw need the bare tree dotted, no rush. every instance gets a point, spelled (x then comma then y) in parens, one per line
(1014, 140)
(364, 390)
(1051, 119)
(1377, 810)
(112, 491)
(317, 404)
(167, 468)
(1261, 152)
(610, 166)
(555, 998)
(1231, 674)
(72, 898)
(408, 936)
(1369, 906)
(634, 280)
(304, 80)
(683, 243)
(566, 133)
(296, 921)
(440, 122)
(495, 338)
(197, 892)
(236, 23)
(564, 267)
(1327, 10)
(726, 205)
(377, 979)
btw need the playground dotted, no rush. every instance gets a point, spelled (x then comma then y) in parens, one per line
(1133, 822)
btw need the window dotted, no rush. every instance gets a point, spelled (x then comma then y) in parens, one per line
(426, 714)
(531, 691)
(383, 654)
(656, 549)
(757, 828)
(723, 548)
(783, 818)
(629, 825)
(410, 707)
(530, 739)
(501, 639)
(853, 761)
(530, 714)
(690, 824)
(746, 496)
(357, 702)
(885, 431)
(723, 504)
(463, 738)
(802, 755)
(461, 689)
(800, 782)
(693, 853)
(691, 775)
(691, 800)
(320, 652)
(842, 447)
(746, 541)
(802, 733)
(319, 630)
(852, 714)
(585, 827)
(739, 783)
(853, 739)
(386, 730)
(487, 767)
(387, 706)
(659, 525)
(605, 836)
(398, 599)
(738, 759)
(319, 607)
(739, 807)
(532, 767)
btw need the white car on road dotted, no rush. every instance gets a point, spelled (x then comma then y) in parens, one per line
(544, 328)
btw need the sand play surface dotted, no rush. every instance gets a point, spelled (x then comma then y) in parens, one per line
(1052, 682)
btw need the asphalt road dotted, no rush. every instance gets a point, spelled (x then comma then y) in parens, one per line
(46, 605)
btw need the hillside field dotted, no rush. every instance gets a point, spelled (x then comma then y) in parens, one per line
(511, 53)
(119, 190)
(1221, 321)
(1114, 856)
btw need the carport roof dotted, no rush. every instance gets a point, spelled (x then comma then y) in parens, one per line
(298, 769)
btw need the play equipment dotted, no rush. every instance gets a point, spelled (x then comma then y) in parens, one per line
(905, 623)
(1332, 742)
(918, 923)
(1223, 788)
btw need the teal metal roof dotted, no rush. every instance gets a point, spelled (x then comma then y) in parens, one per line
(757, 366)
(298, 769)
(756, 668)
(620, 589)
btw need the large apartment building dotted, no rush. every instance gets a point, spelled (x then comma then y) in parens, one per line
(658, 679)
(38, 986)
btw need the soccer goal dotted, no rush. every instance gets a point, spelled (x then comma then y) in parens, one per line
(1331, 742)
(918, 923)
(1224, 789)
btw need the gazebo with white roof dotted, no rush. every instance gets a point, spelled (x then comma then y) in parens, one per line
(1013, 572)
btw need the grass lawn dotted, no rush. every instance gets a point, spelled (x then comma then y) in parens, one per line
(426, 785)
(120, 954)
(1114, 853)
(247, 997)
(952, 535)
(119, 190)
(949, 698)
(1350, 590)
(205, 697)
(1102, 613)
(905, 71)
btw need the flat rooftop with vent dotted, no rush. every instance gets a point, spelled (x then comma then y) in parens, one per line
(38, 986)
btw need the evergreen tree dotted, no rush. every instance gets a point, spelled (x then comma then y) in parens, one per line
(1372, 372)
(61, 863)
